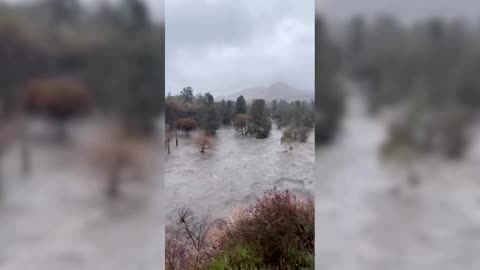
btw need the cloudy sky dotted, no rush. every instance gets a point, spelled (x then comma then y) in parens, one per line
(223, 46)
(404, 9)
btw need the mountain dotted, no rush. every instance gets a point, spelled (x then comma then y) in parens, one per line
(277, 91)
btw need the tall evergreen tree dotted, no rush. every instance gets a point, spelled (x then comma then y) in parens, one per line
(328, 96)
(208, 116)
(224, 112)
(230, 110)
(261, 119)
(241, 105)
(187, 94)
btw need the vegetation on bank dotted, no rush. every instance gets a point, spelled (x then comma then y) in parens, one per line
(329, 94)
(60, 60)
(63, 56)
(275, 232)
(427, 68)
(187, 112)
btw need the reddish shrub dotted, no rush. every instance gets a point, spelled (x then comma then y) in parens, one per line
(55, 98)
(186, 124)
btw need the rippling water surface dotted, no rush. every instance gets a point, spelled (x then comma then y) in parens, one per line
(59, 219)
(368, 218)
(235, 172)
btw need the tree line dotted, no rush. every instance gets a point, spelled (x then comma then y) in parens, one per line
(186, 112)
(115, 52)
(427, 68)
(60, 59)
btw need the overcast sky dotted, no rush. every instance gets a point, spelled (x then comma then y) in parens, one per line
(223, 46)
(408, 10)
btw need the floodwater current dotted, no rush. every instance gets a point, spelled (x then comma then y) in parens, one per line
(236, 171)
(369, 218)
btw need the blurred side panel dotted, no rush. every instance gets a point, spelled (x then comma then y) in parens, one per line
(81, 134)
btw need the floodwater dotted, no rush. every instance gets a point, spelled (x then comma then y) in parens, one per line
(238, 169)
(59, 218)
(369, 218)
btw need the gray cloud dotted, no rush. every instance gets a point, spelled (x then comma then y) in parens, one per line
(222, 46)
(405, 9)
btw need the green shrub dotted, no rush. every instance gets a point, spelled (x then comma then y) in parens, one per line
(276, 232)
(278, 229)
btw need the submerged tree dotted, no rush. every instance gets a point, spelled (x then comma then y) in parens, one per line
(261, 119)
(225, 110)
(287, 139)
(207, 116)
(169, 135)
(186, 124)
(204, 141)
(121, 157)
(58, 100)
(243, 123)
(303, 133)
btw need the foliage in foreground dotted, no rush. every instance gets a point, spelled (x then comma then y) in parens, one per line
(276, 232)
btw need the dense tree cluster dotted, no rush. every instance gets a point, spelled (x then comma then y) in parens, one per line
(329, 96)
(432, 62)
(297, 117)
(187, 111)
(428, 68)
(116, 51)
(210, 114)
(207, 115)
(261, 122)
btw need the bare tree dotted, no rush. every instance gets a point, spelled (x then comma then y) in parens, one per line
(204, 141)
(189, 246)
(242, 123)
(115, 154)
(168, 138)
(287, 139)
(176, 137)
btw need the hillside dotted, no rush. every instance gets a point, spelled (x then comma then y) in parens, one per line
(277, 91)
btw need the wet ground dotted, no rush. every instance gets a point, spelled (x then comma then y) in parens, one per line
(60, 219)
(369, 218)
(235, 172)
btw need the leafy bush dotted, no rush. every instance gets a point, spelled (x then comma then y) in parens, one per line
(276, 232)
(275, 214)
(186, 124)
(440, 132)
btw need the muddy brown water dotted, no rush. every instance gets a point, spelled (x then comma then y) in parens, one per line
(60, 219)
(368, 218)
(234, 173)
